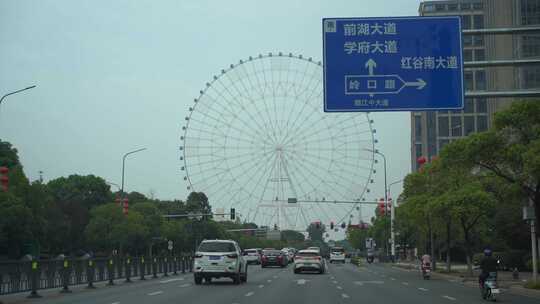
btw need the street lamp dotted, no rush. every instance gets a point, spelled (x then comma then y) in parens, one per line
(15, 92)
(123, 169)
(385, 198)
(392, 218)
(113, 184)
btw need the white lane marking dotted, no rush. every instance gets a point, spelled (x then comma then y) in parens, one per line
(155, 293)
(335, 282)
(269, 281)
(115, 303)
(331, 278)
(185, 285)
(261, 286)
(171, 280)
(275, 277)
(449, 298)
(301, 281)
(345, 296)
(368, 282)
(422, 289)
(339, 287)
(405, 283)
(249, 294)
(393, 279)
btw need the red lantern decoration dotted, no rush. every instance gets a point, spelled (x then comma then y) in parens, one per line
(126, 206)
(4, 179)
(421, 160)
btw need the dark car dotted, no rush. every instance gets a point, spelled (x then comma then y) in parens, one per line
(273, 258)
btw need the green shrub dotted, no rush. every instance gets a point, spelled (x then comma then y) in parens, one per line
(528, 265)
(532, 285)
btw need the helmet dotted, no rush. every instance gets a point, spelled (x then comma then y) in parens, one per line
(487, 252)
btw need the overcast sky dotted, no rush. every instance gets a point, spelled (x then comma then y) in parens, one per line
(113, 76)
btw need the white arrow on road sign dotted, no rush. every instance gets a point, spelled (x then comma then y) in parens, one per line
(371, 65)
(419, 84)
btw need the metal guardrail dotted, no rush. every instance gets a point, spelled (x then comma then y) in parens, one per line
(23, 276)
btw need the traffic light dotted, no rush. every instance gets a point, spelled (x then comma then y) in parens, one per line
(331, 225)
(126, 206)
(233, 214)
(4, 179)
(343, 225)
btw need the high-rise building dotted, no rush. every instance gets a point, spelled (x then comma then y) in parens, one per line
(431, 130)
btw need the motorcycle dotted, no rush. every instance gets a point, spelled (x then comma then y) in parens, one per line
(426, 271)
(490, 289)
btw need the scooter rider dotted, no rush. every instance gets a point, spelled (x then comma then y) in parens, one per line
(426, 260)
(487, 264)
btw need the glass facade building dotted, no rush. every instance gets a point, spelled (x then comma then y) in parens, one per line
(431, 130)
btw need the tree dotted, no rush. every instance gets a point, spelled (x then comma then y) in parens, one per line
(133, 234)
(470, 203)
(510, 151)
(176, 231)
(15, 224)
(88, 190)
(8, 155)
(152, 217)
(197, 202)
(76, 195)
(103, 232)
(357, 238)
(136, 197)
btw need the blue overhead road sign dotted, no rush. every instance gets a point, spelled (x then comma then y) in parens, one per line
(392, 64)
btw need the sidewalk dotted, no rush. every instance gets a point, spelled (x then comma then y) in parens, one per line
(505, 278)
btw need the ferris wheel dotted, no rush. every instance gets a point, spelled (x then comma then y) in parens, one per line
(257, 139)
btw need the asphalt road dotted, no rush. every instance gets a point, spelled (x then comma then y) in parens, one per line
(341, 284)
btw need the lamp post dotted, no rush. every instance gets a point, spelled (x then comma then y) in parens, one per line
(392, 218)
(123, 170)
(15, 92)
(385, 197)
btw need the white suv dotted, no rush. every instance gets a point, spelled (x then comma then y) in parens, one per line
(252, 256)
(217, 259)
(337, 254)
